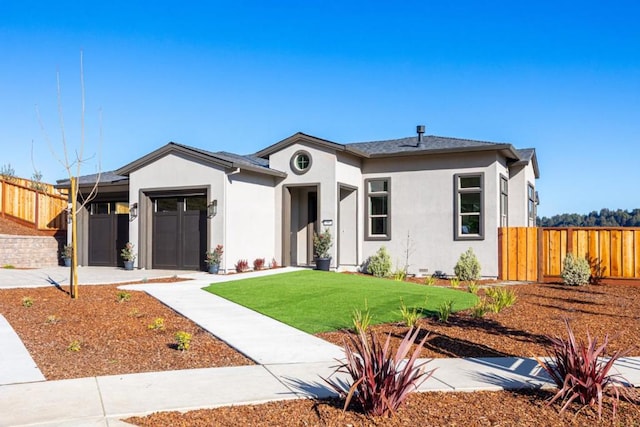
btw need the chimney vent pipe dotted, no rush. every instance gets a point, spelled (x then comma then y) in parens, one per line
(420, 130)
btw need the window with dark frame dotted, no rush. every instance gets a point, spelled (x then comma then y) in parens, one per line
(531, 195)
(378, 215)
(504, 202)
(469, 220)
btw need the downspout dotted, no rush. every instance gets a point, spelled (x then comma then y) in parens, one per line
(225, 204)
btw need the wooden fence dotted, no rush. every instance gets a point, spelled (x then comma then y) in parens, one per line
(537, 254)
(39, 207)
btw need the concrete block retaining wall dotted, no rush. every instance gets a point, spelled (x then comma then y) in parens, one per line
(30, 251)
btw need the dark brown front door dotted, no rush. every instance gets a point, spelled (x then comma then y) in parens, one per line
(179, 232)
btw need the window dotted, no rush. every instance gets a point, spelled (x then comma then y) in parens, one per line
(300, 162)
(504, 201)
(531, 195)
(469, 201)
(378, 212)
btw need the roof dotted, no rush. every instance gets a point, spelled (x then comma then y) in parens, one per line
(109, 177)
(431, 144)
(221, 158)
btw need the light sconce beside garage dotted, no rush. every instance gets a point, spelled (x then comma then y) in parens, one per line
(133, 211)
(212, 209)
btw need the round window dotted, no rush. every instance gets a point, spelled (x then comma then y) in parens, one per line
(301, 162)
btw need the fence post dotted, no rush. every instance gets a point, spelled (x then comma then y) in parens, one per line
(4, 191)
(37, 213)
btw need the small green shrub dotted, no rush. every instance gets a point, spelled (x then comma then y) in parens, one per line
(409, 317)
(8, 266)
(501, 298)
(134, 312)
(473, 287)
(480, 309)
(123, 296)
(399, 274)
(575, 270)
(183, 340)
(430, 281)
(157, 325)
(468, 266)
(362, 319)
(74, 345)
(380, 264)
(27, 302)
(454, 282)
(258, 264)
(444, 311)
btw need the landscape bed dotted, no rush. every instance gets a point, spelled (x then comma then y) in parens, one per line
(520, 330)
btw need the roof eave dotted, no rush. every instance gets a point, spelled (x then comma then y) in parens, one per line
(299, 137)
(497, 147)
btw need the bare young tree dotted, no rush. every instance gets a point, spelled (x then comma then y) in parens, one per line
(73, 160)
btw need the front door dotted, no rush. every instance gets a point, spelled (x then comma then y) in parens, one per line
(179, 232)
(300, 222)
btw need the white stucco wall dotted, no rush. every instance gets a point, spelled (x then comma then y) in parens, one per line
(520, 178)
(250, 214)
(422, 210)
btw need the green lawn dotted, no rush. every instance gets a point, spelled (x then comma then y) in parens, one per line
(317, 301)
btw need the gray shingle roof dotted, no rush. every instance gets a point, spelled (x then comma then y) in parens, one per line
(409, 144)
(108, 177)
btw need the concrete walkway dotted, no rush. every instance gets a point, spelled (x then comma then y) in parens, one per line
(291, 365)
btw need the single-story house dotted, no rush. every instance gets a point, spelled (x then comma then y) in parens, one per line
(425, 198)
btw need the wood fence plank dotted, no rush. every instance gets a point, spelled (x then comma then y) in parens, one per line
(555, 252)
(636, 250)
(513, 255)
(616, 253)
(532, 254)
(582, 243)
(627, 244)
(522, 253)
(604, 239)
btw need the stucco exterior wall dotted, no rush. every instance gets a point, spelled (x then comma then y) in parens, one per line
(173, 173)
(250, 213)
(422, 210)
(520, 178)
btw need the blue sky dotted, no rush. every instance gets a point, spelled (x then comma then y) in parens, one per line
(563, 77)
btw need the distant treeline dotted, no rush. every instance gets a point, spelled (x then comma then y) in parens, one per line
(604, 218)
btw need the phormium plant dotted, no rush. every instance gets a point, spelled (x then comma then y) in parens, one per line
(410, 317)
(380, 381)
(361, 319)
(242, 265)
(581, 370)
(258, 264)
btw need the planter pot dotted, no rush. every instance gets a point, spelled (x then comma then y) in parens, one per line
(128, 265)
(67, 262)
(213, 268)
(323, 264)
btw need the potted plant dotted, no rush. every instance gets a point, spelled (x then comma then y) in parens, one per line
(322, 245)
(66, 254)
(213, 259)
(128, 256)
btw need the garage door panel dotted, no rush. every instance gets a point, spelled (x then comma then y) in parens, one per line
(101, 244)
(193, 250)
(165, 230)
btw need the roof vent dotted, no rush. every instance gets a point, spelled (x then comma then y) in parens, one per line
(420, 130)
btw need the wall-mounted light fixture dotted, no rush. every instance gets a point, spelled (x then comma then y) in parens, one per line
(212, 209)
(133, 211)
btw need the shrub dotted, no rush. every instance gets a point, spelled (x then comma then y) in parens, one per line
(74, 345)
(157, 325)
(473, 287)
(409, 317)
(123, 296)
(27, 302)
(399, 274)
(361, 320)
(322, 243)
(380, 264)
(480, 309)
(183, 340)
(430, 280)
(380, 381)
(581, 370)
(127, 253)
(258, 264)
(468, 266)
(214, 257)
(274, 263)
(444, 311)
(242, 265)
(454, 282)
(501, 298)
(575, 271)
